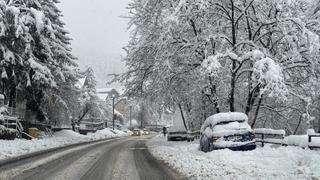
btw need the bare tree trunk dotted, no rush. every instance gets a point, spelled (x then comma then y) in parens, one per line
(203, 109)
(257, 111)
(299, 123)
(84, 113)
(215, 98)
(231, 100)
(12, 97)
(319, 125)
(233, 75)
(182, 116)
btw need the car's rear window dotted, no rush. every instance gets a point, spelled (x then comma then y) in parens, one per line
(178, 132)
(227, 122)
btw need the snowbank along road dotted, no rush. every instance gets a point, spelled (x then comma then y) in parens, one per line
(125, 158)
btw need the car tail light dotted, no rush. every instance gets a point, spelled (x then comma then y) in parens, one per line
(252, 136)
(215, 138)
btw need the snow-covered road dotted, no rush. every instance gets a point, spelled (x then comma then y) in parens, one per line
(124, 158)
(263, 163)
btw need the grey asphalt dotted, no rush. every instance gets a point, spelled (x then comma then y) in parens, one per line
(125, 158)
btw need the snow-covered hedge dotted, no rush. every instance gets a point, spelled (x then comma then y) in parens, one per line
(7, 133)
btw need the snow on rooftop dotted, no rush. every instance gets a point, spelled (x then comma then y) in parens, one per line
(118, 113)
(80, 82)
(104, 90)
(102, 97)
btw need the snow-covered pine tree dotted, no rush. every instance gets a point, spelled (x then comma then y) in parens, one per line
(64, 71)
(35, 53)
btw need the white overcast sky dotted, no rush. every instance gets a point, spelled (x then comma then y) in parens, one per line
(96, 24)
(99, 33)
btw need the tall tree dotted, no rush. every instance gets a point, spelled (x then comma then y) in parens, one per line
(238, 54)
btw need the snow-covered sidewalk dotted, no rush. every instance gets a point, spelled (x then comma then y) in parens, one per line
(17, 147)
(262, 163)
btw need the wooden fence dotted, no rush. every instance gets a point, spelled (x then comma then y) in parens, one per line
(277, 137)
(312, 135)
(270, 136)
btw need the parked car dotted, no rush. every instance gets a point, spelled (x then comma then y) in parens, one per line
(137, 132)
(176, 133)
(227, 130)
(146, 132)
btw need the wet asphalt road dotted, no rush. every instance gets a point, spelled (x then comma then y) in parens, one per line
(124, 158)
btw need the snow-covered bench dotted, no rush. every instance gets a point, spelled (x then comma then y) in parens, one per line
(270, 136)
(312, 134)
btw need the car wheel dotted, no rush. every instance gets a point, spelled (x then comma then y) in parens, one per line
(204, 144)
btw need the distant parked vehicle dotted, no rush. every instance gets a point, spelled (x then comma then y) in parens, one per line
(227, 130)
(177, 134)
(137, 132)
(190, 137)
(146, 132)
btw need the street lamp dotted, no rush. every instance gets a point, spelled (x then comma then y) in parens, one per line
(107, 119)
(113, 97)
(130, 116)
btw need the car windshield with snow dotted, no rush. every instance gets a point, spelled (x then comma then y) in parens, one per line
(227, 130)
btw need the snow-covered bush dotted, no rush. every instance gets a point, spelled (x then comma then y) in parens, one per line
(7, 133)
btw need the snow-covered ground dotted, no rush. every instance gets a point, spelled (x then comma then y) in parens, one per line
(18, 147)
(262, 163)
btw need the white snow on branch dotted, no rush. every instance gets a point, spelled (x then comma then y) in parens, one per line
(42, 73)
(269, 74)
(38, 15)
(211, 65)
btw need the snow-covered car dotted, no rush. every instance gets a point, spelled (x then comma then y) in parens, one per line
(176, 133)
(227, 130)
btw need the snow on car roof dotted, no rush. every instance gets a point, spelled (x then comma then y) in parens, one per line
(176, 129)
(223, 117)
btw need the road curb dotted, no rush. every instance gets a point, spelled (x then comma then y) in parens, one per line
(50, 150)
